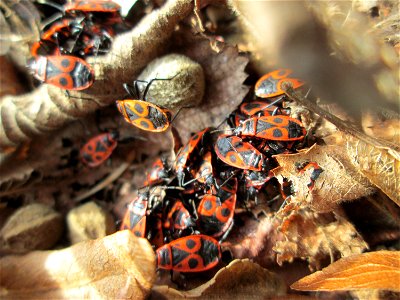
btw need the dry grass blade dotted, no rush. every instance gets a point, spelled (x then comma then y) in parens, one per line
(119, 266)
(374, 270)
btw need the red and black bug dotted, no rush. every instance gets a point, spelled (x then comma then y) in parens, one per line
(286, 188)
(63, 71)
(156, 231)
(233, 151)
(135, 216)
(271, 84)
(92, 6)
(142, 114)
(178, 217)
(104, 11)
(216, 211)
(262, 108)
(49, 41)
(193, 253)
(315, 173)
(204, 173)
(99, 148)
(256, 179)
(74, 36)
(274, 128)
(159, 173)
(183, 157)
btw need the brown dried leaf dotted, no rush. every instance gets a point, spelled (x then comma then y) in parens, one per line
(224, 74)
(241, 279)
(313, 236)
(381, 165)
(9, 82)
(254, 240)
(338, 182)
(374, 270)
(32, 227)
(117, 266)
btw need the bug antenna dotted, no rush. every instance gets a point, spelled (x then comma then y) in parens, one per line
(221, 130)
(229, 178)
(183, 107)
(275, 101)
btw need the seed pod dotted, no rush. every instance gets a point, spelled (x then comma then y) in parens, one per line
(186, 84)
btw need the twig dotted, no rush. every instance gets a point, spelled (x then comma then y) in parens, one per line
(115, 174)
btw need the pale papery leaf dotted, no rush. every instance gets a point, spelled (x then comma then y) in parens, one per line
(380, 165)
(117, 266)
(373, 270)
(312, 236)
(338, 182)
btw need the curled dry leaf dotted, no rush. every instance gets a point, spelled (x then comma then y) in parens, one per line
(32, 227)
(89, 221)
(313, 236)
(381, 165)
(117, 266)
(338, 182)
(241, 279)
(20, 25)
(373, 270)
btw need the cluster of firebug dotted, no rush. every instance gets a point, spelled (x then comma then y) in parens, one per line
(187, 207)
(86, 27)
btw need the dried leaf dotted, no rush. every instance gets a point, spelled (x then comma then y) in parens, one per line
(20, 25)
(224, 74)
(9, 83)
(241, 279)
(387, 129)
(380, 165)
(254, 240)
(117, 266)
(338, 182)
(32, 227)
(373, 270)
(313, 236)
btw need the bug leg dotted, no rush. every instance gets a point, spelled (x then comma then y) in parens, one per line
(226, 233)
(151, 81)
(196, 216)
